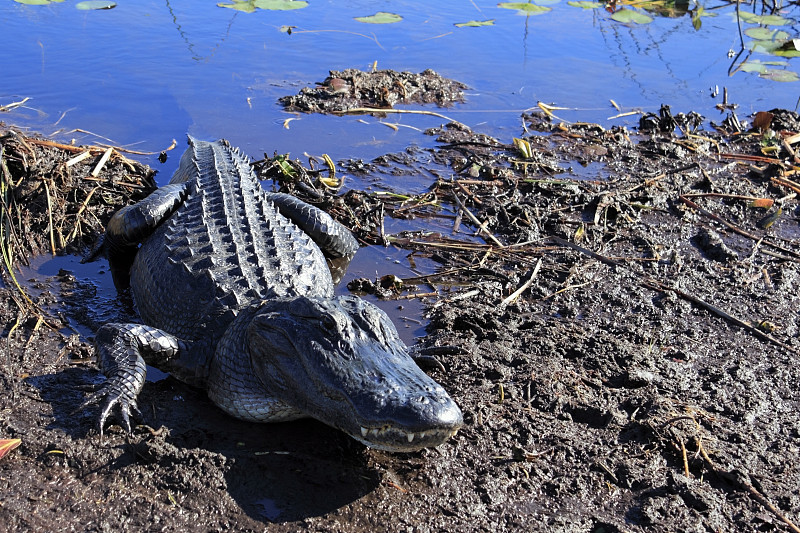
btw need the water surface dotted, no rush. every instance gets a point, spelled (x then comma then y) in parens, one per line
(146, 72)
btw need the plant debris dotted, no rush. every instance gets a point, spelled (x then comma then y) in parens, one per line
(353, 90)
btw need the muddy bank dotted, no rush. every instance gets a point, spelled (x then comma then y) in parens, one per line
(621, 335)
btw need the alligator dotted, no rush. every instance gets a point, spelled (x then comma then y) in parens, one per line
(236, 297)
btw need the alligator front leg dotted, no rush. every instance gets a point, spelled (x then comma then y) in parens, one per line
(133, 224)
(333, 238)
(122, 350)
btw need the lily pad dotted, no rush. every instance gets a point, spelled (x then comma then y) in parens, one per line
(763, 46)
(766, 34)
(780, 75)
(95, 4)
(528, 9)
(475, 23)
(789, 48)
(585, 4)
(754, 65)
(785, 48)
(628, 15)
(37, 2)
(243, 6)
(767, 20)
(280, 5)
(381, 17)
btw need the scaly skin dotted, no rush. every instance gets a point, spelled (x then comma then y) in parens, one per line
(233, 286)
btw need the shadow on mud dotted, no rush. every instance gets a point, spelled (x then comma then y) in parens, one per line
(273, 472)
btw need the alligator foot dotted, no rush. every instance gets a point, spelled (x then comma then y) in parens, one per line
(120, 350)
(113, 400)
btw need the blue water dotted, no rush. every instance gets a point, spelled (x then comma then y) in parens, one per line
(147, 72)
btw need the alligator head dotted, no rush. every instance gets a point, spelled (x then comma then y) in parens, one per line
(341, 361)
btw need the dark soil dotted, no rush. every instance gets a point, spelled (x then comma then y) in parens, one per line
(353, 89)
(644, 378)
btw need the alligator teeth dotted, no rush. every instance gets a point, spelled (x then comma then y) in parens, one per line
(422, 435)
(410, 437)
(364, 431)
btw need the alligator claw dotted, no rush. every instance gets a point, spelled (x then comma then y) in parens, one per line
(113, 401)
(97, 250)
(428, 361)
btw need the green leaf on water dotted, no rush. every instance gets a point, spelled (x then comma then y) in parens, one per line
(37, 2)
(243, 6)
(280, 5)
(767, 20)
(628, 15)
(789, 48)
(475, 23)
(785, 48)
(381, 17)
(779, 75)
(763, 46)
(753, 66)
(585, 4)
(528, 9)
(95, 4)
(786, 53)
(766, 34)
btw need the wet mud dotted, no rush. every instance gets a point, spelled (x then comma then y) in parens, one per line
(615, 311)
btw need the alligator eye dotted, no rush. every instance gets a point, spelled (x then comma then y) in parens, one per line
(328, 323)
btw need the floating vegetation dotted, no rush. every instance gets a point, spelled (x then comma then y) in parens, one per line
(779, 75)
(85, 6)
(765, 70)
(381, 17)
(38, 2)
(762, 28)
(585, 4)
(767, 20)
(249, 6)
(474, 23)
(766, 40)
(528, 9)
(765, 34)
(95, 4)
(627, 16)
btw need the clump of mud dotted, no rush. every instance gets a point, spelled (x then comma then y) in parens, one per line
(353, 89)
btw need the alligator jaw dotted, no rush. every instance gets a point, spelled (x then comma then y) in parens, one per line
(392, 439)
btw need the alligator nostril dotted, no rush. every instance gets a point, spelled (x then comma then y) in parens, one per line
(450, 416)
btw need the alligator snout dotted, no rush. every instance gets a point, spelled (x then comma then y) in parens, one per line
(341, 361)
